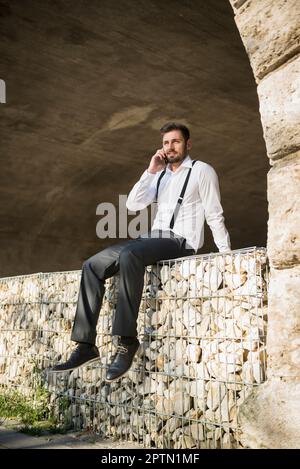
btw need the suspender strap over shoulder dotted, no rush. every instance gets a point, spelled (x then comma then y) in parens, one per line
(180, 199)
(158, 183)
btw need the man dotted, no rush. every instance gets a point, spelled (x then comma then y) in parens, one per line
(187, 193)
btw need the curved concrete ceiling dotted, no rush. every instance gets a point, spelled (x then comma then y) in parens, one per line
(88, 86)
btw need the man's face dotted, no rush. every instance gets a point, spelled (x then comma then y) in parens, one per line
(175, 147)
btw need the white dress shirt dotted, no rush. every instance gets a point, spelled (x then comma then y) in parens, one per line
(201, 201)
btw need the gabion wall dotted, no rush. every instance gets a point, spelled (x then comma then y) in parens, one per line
(202, 328)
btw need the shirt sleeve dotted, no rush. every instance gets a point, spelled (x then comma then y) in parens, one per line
(143, 192)
(211, 200)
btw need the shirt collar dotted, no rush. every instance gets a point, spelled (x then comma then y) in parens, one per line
(187, 163)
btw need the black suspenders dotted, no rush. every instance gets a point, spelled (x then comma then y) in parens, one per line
(180, 199)
(158, 183)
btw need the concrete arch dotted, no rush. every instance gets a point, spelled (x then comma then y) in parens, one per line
(270, 33)
(88, 89)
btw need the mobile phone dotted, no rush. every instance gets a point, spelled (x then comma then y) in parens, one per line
(165, 158)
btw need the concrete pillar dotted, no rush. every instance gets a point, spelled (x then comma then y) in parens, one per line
(270, 31)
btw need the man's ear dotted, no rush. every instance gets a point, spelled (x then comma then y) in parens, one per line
(189, 144)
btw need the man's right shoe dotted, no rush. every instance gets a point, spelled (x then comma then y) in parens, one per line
(122, 360)
(82, 355)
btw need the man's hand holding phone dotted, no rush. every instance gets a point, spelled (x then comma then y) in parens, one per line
(158, 162)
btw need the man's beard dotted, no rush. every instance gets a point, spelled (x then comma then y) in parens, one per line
(176, 158)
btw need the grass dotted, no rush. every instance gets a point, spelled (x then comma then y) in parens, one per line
(33, 414)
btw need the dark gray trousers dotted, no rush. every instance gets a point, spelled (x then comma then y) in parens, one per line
(129, 258)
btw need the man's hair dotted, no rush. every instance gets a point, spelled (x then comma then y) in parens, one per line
(176, 126)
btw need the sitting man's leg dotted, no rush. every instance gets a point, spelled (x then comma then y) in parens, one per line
(94, 273)
(132, 262)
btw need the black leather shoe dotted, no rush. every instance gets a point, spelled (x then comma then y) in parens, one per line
(122, 360)
(82, 355)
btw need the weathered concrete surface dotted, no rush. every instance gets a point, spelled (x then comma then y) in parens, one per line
(270, 417)
(236, 4)
(11, 438)
(279, 98)
(283, 340)
(270, 32)
(88, 86)
(284, 215)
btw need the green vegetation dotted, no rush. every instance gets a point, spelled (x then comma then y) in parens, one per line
(33, 413)
(15, 405)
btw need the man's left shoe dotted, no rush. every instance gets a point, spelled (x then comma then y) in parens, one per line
(81, 355)
(122, 360)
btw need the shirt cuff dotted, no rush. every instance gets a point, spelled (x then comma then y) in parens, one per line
(147, 175)
(224, 250)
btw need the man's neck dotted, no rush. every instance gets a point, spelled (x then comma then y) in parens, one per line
(174, 166)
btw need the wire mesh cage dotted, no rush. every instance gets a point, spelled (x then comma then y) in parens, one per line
(202, 327)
